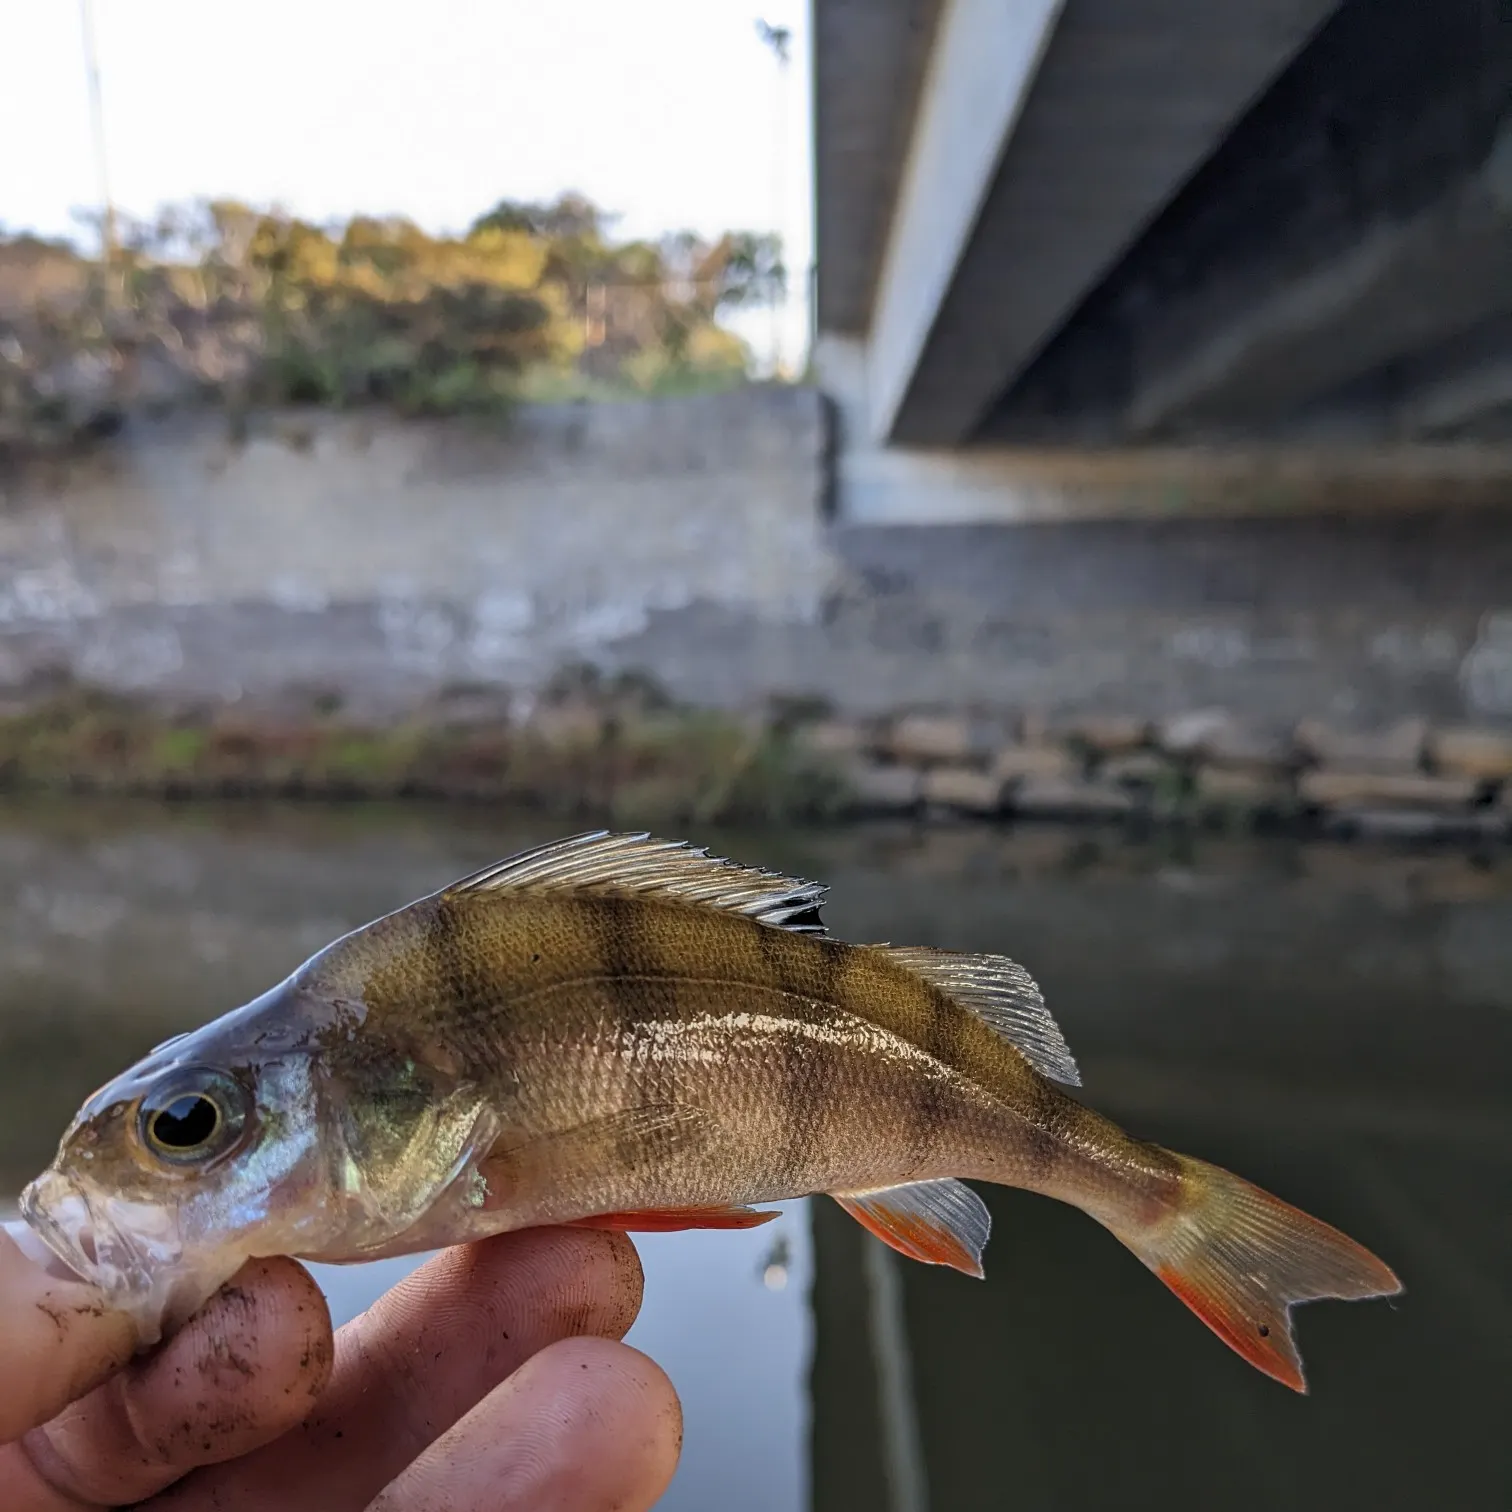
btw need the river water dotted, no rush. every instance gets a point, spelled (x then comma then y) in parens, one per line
(1335, 1024)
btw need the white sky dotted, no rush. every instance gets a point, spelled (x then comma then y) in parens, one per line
(664, 110)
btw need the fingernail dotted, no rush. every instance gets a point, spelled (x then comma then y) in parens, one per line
(30, 1243)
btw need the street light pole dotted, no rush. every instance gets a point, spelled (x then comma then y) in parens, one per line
(779, 39)
(97, 120)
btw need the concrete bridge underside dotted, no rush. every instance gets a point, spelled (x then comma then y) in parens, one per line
(1158, 222)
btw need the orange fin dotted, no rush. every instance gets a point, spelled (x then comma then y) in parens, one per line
(939, 1222)
(1240, 1259)
(1268, 1346)
(671, 1220)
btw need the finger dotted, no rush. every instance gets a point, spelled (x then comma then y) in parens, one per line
(242, 1371)
(59, 1340)
(424, 1354)
(586, 1424)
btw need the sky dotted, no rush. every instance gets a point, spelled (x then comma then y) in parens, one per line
(670, 112)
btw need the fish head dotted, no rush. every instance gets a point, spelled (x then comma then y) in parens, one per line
(205, 1153)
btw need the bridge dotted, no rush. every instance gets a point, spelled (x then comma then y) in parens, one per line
(1134, 226)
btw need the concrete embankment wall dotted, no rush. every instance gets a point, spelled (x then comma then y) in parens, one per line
(384, 563)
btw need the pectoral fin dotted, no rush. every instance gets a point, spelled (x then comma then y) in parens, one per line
(671, 1220)
(939, 1222)
(648, 1136)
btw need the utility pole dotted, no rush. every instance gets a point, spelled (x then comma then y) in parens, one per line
(780, 40)
(97, 118)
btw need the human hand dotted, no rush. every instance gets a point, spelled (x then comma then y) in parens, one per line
(490, 1380)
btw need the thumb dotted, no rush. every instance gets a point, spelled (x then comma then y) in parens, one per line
(58, 1336)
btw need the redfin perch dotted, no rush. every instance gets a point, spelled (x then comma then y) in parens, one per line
(624, 1032)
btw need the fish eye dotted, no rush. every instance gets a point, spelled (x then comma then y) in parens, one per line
(193, 1117)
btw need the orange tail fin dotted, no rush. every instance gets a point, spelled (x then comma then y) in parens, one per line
(1240, 1258)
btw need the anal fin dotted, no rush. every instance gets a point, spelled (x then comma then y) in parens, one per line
(939, 1222)
(673, 1220)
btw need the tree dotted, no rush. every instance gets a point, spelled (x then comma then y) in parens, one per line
(225, 299)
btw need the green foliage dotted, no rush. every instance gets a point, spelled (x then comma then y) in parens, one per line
(174, 749)
(258, 307)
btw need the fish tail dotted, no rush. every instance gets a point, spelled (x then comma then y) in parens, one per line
(1240, 1258)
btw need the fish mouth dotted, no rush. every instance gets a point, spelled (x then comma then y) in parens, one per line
(55, 1210)
(119, 1252)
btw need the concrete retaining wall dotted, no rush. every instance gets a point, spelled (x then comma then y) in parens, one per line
(385, 560)
(385, 563)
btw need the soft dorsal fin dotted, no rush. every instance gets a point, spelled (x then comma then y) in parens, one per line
(671, 870)
(1001, 993)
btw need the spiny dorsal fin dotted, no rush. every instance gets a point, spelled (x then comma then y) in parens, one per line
(1001, 993)
(671, 870)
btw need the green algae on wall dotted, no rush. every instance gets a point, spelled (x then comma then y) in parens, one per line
(660, 766)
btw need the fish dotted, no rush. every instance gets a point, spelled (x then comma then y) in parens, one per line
(622, 1032)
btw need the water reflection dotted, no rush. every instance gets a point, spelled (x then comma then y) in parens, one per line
(1333, 1024)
